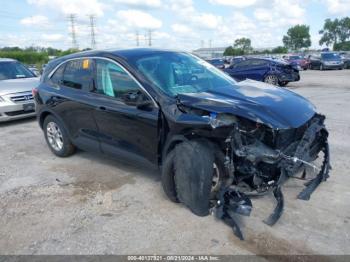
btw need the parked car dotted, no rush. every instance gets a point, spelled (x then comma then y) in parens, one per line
(217, 62)
(236, 59)
(326, 60)
(276, 72)
(346, 59)
(16, 84)
(207, 132)
(299, 61)
(34, 69)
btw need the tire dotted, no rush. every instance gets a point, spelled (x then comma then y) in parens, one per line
(57, 138)
(283, 83)
(195, 163)
(271, 79)
(168, 182)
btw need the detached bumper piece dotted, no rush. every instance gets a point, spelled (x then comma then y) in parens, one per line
(229, 204)
(297, 156)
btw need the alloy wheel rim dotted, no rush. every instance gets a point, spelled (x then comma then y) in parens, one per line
(271, 80)
(216, 178)
(54, 136)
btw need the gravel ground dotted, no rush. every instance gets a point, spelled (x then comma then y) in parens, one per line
(92, 204)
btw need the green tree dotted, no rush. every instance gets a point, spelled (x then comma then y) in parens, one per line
(343, 46)
(297, 37)
(244, 44)
(279, 50)
(335, 31)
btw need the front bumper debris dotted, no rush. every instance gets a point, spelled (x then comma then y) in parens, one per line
(305, 151)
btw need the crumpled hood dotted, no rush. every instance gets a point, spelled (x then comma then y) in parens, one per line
(18, 85)
(274, 106)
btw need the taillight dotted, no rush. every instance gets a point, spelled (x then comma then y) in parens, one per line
(34, 91)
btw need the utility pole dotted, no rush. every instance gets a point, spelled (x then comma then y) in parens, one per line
(137, 38)
(92, 31)
(72, 18)
(202, 43)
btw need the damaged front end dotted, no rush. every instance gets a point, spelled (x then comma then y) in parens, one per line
(260, 159)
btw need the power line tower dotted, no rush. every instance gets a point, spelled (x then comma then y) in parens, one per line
(137, 38)
(149, 37)
(72, 18)
(92, 31)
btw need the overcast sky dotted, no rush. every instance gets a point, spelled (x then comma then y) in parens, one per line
(180, 24)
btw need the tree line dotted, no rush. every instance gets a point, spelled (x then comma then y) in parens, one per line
(34, 55)
(335, 33)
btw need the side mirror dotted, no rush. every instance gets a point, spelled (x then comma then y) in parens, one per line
(138, 99)
(145, 105)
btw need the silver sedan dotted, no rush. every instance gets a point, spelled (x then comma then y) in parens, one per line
(16, 84)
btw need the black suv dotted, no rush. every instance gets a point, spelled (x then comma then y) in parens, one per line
(208, 133)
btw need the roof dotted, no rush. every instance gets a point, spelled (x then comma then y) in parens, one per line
(210, 49)
(122, 53)
(7, 60)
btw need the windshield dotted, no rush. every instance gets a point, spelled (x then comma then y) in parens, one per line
(179, 73)
(14, 70)
(331, 56)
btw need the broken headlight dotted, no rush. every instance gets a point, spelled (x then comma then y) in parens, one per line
(218, 120)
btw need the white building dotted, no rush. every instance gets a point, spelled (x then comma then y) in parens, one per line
(207, 53)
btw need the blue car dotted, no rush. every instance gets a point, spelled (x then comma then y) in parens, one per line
(275, 72)
(217, 62)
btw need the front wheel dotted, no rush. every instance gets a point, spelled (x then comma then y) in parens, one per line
(283, 83)
(271, 79)
(57, 138)
(193, 173)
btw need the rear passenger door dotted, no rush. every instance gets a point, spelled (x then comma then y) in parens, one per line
(73, 102)
(126, 115)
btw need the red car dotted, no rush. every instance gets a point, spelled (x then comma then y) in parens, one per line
(297, 60)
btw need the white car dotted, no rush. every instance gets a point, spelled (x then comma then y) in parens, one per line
(16, 84)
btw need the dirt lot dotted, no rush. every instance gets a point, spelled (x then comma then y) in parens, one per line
(91, 204)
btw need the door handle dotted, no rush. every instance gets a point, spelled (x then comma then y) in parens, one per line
(101, 108)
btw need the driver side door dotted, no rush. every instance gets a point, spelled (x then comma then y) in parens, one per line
(126, 116)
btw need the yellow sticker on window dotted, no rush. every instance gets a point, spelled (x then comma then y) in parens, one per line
(86, 64)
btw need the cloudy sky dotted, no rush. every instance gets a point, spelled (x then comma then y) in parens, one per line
(181, 24)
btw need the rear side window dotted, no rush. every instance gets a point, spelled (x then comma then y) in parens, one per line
(78, 74)
(58, 75)
(257, 62)
(112, 80)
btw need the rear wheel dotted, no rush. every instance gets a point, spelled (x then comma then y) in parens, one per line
(57, 138)
(271, 79)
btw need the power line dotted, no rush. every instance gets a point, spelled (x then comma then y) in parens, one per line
(72, 19)
(92, 31)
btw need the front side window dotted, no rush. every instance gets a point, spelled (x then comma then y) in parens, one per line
(14, 70)
(78, 74)
(112, 80)
(177, 73)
